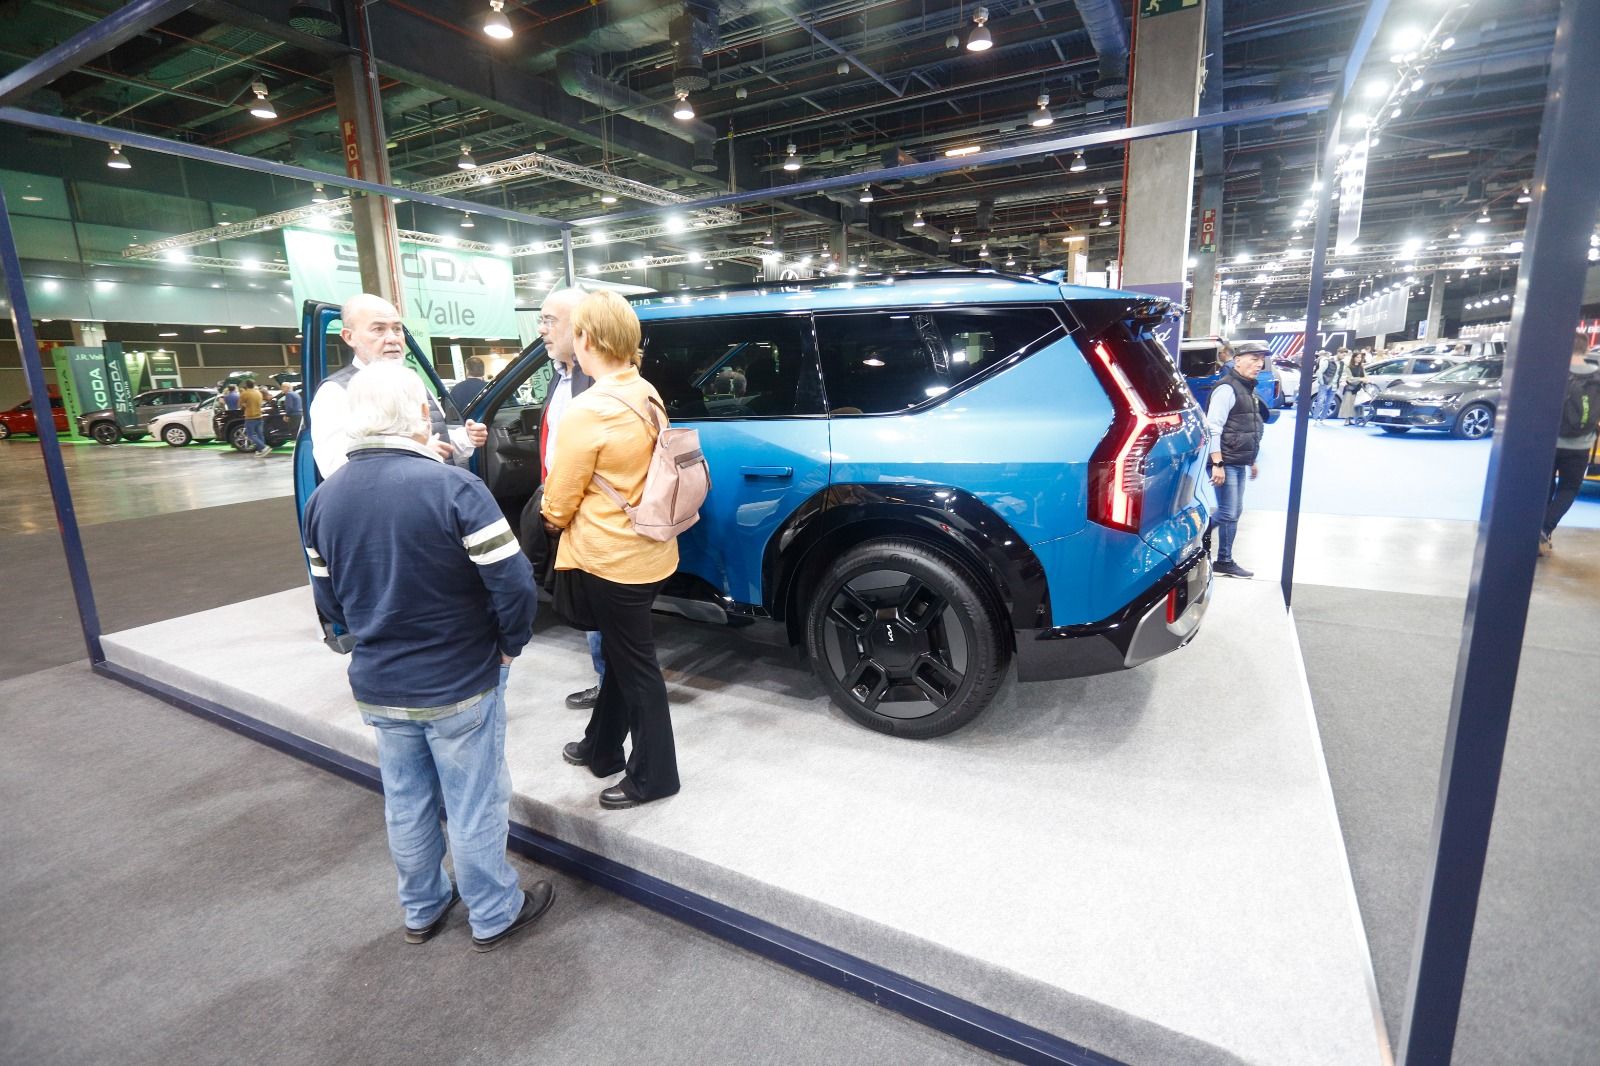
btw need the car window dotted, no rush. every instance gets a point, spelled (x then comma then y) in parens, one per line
(1483, 370)
(882, 362)
(55, 401)
(1392, 366)
(1198, 361)
(25, 405)
(752, 366)
(1427, 366)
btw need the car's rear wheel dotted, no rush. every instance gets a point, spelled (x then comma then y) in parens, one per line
(1396, 430)
(176, 435)
(1475, 422)
(5, 431)
(105, 432)
(237, 438)
(905, 640)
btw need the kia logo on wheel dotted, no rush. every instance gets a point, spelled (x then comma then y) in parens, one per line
(888, 632)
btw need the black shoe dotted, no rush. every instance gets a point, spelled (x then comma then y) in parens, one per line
(535, 901)
(429, 931)
(575, 753)
(585, 700)
(617, 798)
(1229, 568)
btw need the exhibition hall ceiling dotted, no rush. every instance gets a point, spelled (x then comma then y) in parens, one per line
(832, 88)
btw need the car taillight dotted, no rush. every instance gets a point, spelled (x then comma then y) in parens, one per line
(1116, 470)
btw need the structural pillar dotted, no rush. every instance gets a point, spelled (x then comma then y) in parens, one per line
(361, 127)
(1158, 196)
(1434, 324)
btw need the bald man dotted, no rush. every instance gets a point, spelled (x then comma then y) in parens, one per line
(373, 330)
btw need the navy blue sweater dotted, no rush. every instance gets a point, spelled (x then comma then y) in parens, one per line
(414, 558)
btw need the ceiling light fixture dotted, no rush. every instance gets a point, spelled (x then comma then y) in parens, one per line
(1100, 199)
(466, 220)
(980, 40)
(319, 195)
(791, 162)
(1042, 116)
(496, 24)
(866, 194)
(965, 149)
(465, 160)
(1105, 219)
(1526, 197)
(608, 197)
(684, 111)
(955, 236)
(1483, 215)
(262, 108)
(917, 223)
(116, 160)
(1079, 165)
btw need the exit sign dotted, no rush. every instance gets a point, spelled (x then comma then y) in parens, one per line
(1165, 7)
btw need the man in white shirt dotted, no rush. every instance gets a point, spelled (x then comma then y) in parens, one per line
(555, 326)
(373, 330)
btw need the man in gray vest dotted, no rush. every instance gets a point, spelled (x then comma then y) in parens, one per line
(1235, 420)
(373, 330)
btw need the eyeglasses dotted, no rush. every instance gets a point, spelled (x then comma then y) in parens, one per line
(546, 321)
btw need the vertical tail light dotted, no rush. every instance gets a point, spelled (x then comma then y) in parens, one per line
(1116, 470)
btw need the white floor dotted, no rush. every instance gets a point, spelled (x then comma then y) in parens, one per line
(1147, 863)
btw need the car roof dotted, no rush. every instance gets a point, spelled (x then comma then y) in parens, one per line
(955, 287)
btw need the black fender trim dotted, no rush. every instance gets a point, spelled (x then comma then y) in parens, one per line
(946, 516)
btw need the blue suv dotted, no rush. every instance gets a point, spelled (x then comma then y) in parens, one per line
(916, 479)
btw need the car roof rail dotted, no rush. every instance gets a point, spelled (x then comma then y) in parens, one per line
(841, 281)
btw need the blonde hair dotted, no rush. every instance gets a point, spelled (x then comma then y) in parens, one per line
(609, 326)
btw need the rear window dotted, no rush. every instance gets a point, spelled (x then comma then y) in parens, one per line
(1148, 367)
(887, 361)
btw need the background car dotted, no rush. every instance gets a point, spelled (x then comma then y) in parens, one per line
(195, 422)
(1287, 370)
(102, 425)
(21, 419)
(278, 429)
(1410, 368)
(1204, 360)
(1461, 400)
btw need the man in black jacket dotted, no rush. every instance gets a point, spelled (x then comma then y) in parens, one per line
(413, 557)
(1235, 421)
(1580, 418)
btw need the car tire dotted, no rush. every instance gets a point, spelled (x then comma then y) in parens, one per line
(1475, 422)
(5, 431)
(105, 432)
(237, 438)
(1396, 430)
(940, 660)
(176, 435)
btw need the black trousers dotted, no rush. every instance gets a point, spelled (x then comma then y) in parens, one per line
(633, 695)
(1565, 481)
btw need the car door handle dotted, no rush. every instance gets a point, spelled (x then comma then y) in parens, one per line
(778, 473)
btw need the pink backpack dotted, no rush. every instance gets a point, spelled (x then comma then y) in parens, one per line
(675, 485)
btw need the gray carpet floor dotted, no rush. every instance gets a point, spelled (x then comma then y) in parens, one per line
(180, 894)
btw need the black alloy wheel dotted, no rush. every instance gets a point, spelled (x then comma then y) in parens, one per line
(1475, 422)
(176, 435)
(237, 438)
(105, 432)
(905, 639)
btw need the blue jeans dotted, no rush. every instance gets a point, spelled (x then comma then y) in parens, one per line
(1230, 504)
(454, 765)
(254, 434)
(595, 655)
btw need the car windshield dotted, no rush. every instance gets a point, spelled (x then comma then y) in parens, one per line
(1486, 370)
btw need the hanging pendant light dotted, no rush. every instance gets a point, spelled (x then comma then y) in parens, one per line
(1526, 196)
(791, 162)
(917, 223)
(1042, 116)
(1100, 199)
(116, 160)
(466, 221)
(496, 25)
(955, 236)
(262, 108)
(866, 194)
(980, 40)
(465, 160)
(1105, 219)
(684, 111)
(319, 195)
(1078, 164)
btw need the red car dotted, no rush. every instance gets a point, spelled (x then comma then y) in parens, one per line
(20, 418)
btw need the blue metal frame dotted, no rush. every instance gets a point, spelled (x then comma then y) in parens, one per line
(1544, 320)
(960, 1018)
(96, 39)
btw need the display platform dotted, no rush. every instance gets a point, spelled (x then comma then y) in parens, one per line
(1148, 864)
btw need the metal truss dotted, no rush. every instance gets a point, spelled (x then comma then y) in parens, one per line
(531, 164)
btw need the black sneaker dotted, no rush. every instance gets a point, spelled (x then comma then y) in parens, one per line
(535, 901)
(585, 700)
(429, 931)
(1229, 568)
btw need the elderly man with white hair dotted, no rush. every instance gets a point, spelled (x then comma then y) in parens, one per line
(413, 557)
(372, 328)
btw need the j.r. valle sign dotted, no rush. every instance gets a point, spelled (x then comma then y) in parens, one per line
(447, 291)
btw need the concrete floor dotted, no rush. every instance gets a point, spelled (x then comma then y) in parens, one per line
(1378, 632)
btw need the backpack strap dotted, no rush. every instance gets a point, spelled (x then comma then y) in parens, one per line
(650, 423)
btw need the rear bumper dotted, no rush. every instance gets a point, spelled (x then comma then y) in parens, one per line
(1162, 619)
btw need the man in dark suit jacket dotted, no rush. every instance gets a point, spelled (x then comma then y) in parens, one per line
(555, 326)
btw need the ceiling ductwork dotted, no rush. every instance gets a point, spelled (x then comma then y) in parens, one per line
(1108, 34)
(579, 79)
(1271, 172)
(316, 17)
(694, 33)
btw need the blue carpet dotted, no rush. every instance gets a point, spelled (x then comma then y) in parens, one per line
(1360, 470)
